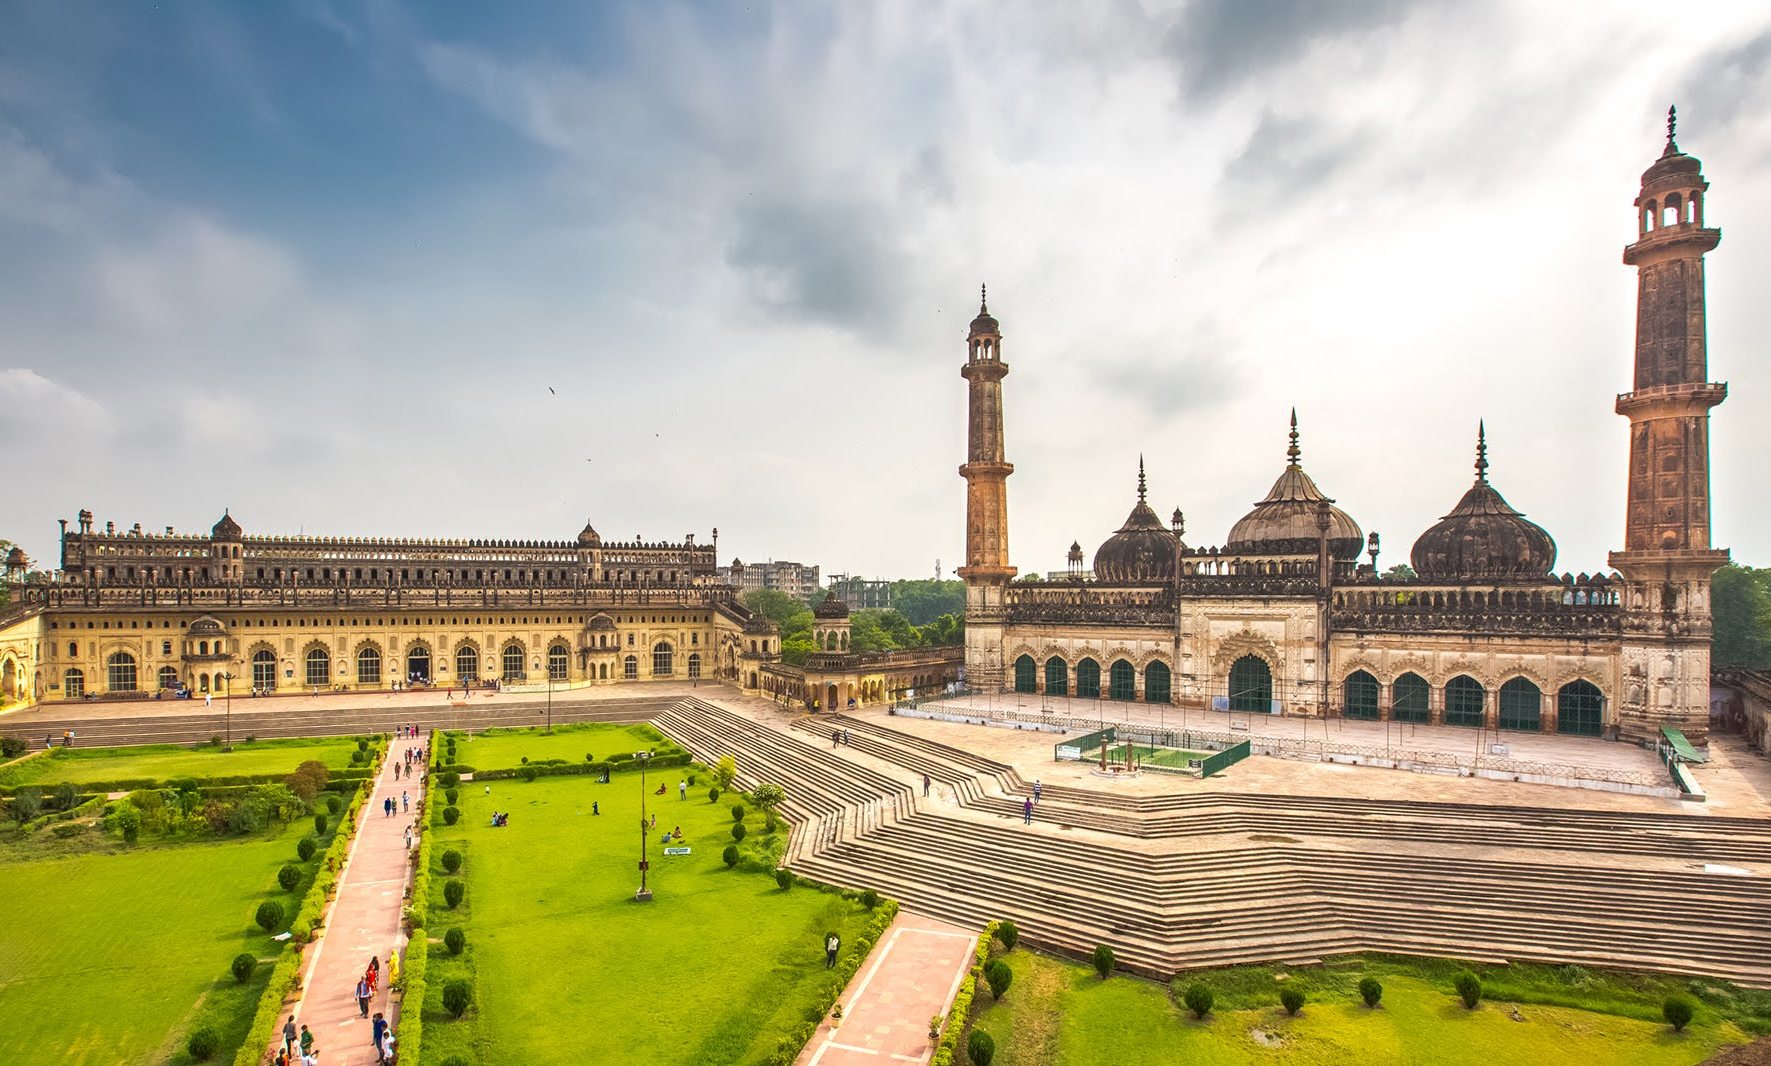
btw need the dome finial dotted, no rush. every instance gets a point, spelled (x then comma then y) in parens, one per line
(1292, 453)
(1140, 478)
(1672, 122)
(983, 299)
(1481, 450)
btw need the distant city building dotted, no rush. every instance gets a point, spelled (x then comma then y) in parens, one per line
(861, 594)
(795, 579)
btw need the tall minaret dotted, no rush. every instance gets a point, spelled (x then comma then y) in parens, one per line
(1667, 560)
(986, 472)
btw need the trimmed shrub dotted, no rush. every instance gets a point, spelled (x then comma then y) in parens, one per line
(737, 812)
(457, 997)
(362, 743)
(713, 795)
(1198, 999)
(738, 830)
(215, 740)
(1371, 991)
(450, 795)
(1678, 1010)
(11, 747)
(304, 848)
(452, 893)
(319, 824)
(998, 976)
(66, 795)
(450, 779)
(784, 878)
(530, 773)
(730, 855)
(270, 915)
(455, 940)
(771, 823)
(243, 965)
(202, 1044)
(1292, 999)
(451, 815)
(451, 860)
(289, 876)
(1468, 987)
(869, 898)
(980, 1048)
(334, 803)
(27, 803)
(1103, 960)
(1008, 933)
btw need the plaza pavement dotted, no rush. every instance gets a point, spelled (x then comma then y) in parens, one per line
(912, 974)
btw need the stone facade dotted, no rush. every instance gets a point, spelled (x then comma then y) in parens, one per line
(1284, 619)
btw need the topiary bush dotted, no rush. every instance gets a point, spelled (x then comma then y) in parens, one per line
(304, 848)
(202, 1044)
(1468, 987)
(783, 877)
(869, 898)
(270, 915)
(1292, 999)
(1198, 999)
(529, 773)
(450, 795)
(998, 976)
(457, 997)
(334, 803)
(730, 855)
(362, 743)
(738, 830)
(319, 824)
(243, 965)
(713, 795)
(771, 823)
(1008, 933)
(1103, 960)
(455, 940)
(737, 812)
(1371, 991)
(289, 876)
(451, 860)
(451, 815)
(980, 1048)
(1678, 1010)
(450, 779)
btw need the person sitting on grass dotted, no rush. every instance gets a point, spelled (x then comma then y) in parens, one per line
(677, 833)
(660, 791)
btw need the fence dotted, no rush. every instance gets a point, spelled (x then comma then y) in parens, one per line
(1224, 759)
(1079, 747)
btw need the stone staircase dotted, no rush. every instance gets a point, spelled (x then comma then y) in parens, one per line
(1283, 879)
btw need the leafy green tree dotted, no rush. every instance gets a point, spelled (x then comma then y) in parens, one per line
(924, 601)
(1740, 604)
(767, 796)
(943, 632)
(1400, 572)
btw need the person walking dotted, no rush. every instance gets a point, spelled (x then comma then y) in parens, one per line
(208, 699)
(405, 802)
(363, 996)
(408, 838)
(393, 967)
(1038, 790)
(307, 1044)
(832, 942)
(682, 789)
(378, 1027)
(925, 784)
(289, 1034)
(1027, 811)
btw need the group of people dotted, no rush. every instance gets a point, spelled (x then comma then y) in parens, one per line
(838, 736)
(381, 1031)
(500, 819)
(674, 834)
(298, 1047)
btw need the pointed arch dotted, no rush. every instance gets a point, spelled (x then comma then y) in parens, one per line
(1057, 677)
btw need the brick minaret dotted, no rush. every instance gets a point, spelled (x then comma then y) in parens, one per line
(1667, 560)
(986, 472)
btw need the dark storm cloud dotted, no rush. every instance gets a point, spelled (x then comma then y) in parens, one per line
(1721, 85)
(824, 262)
(1287, 155)
(1220, 43)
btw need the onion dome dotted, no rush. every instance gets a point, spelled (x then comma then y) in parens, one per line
(831, 607)
(15, 559)
(1672, 162)
(588, 536)
(984, 323)
(206, 627)
(226, 529)
(1483, 538)
(1142, 552)
(1286, 522)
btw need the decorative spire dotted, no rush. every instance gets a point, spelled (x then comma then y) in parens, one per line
(1140, 479)
(983, 297)
(1481, 450)
(1292, 453)
(1672, 121)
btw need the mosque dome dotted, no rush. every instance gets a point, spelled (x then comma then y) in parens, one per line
(588, 536)
(226, 529)
(1285, 522)
(1483, 538)
(1142, 552)
(831, 607)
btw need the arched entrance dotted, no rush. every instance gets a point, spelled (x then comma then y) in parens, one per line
(1359, 696)
(1088, 679)
(1580, 709)
(1156, 683)
(8, 681)
(1409, 697)
(1251, 685)
(1122, 681)
(1025, 675)
(418, 664)
(1057, 679)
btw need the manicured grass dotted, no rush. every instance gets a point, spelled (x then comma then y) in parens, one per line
(568, 968)
(1175, 757)
(167, 762)
(108, 958)
(1058, 1011)
(502, 749)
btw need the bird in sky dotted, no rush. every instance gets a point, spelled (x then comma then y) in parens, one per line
(550, 391)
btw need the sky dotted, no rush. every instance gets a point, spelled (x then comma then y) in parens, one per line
(381, 269)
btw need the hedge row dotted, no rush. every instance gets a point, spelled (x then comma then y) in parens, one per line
(961, 1014)
(131, 784)
(412, 975)
(662, 762)
(10, 771)
(288, 968)
(787, 1051)
(313, 905)
(85, 806)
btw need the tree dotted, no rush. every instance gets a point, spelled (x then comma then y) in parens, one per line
(1292, 999)
(767, 796)
(1199, 1000)
(1740, 603)
(1371, 991)
(945, 631)
(1400, 572)
(1103, 960)
(725, 772)
(924, 601)
(1678, 1010)
(1468, 987)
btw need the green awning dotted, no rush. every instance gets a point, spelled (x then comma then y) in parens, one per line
(1681, 747)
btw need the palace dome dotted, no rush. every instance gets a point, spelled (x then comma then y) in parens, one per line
(1284, 523)
(226, 529)
(831, 607)
(588, 536)
(1142, 552)
(1483, 538)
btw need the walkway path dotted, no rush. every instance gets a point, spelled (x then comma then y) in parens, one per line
(365, 922)
(912, 975)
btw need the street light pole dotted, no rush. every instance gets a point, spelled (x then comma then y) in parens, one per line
(644, 895)
(549, 693)
(227, 702)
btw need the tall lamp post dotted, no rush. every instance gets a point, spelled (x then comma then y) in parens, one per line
(549, 693)
(644, 895)
(227, 702)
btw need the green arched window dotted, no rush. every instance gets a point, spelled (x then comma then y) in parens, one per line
(1156, 683)
(1580, 709)
(1057, 677)
(1026, 675)
(1122, 681)
(1359, 695)
(1464, 699)
(1088, 679)
(1409, 698)
(1251, 685)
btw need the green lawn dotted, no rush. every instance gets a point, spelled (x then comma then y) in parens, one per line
(1159, 756)
(169, 762)
(104, 958)
(1057, 1011)
(567, 968)
(503, 749)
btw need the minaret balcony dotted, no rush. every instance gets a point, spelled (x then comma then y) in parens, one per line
(1673, 400)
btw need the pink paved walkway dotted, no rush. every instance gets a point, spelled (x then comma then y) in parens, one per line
(365, 921)
(912, 974)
